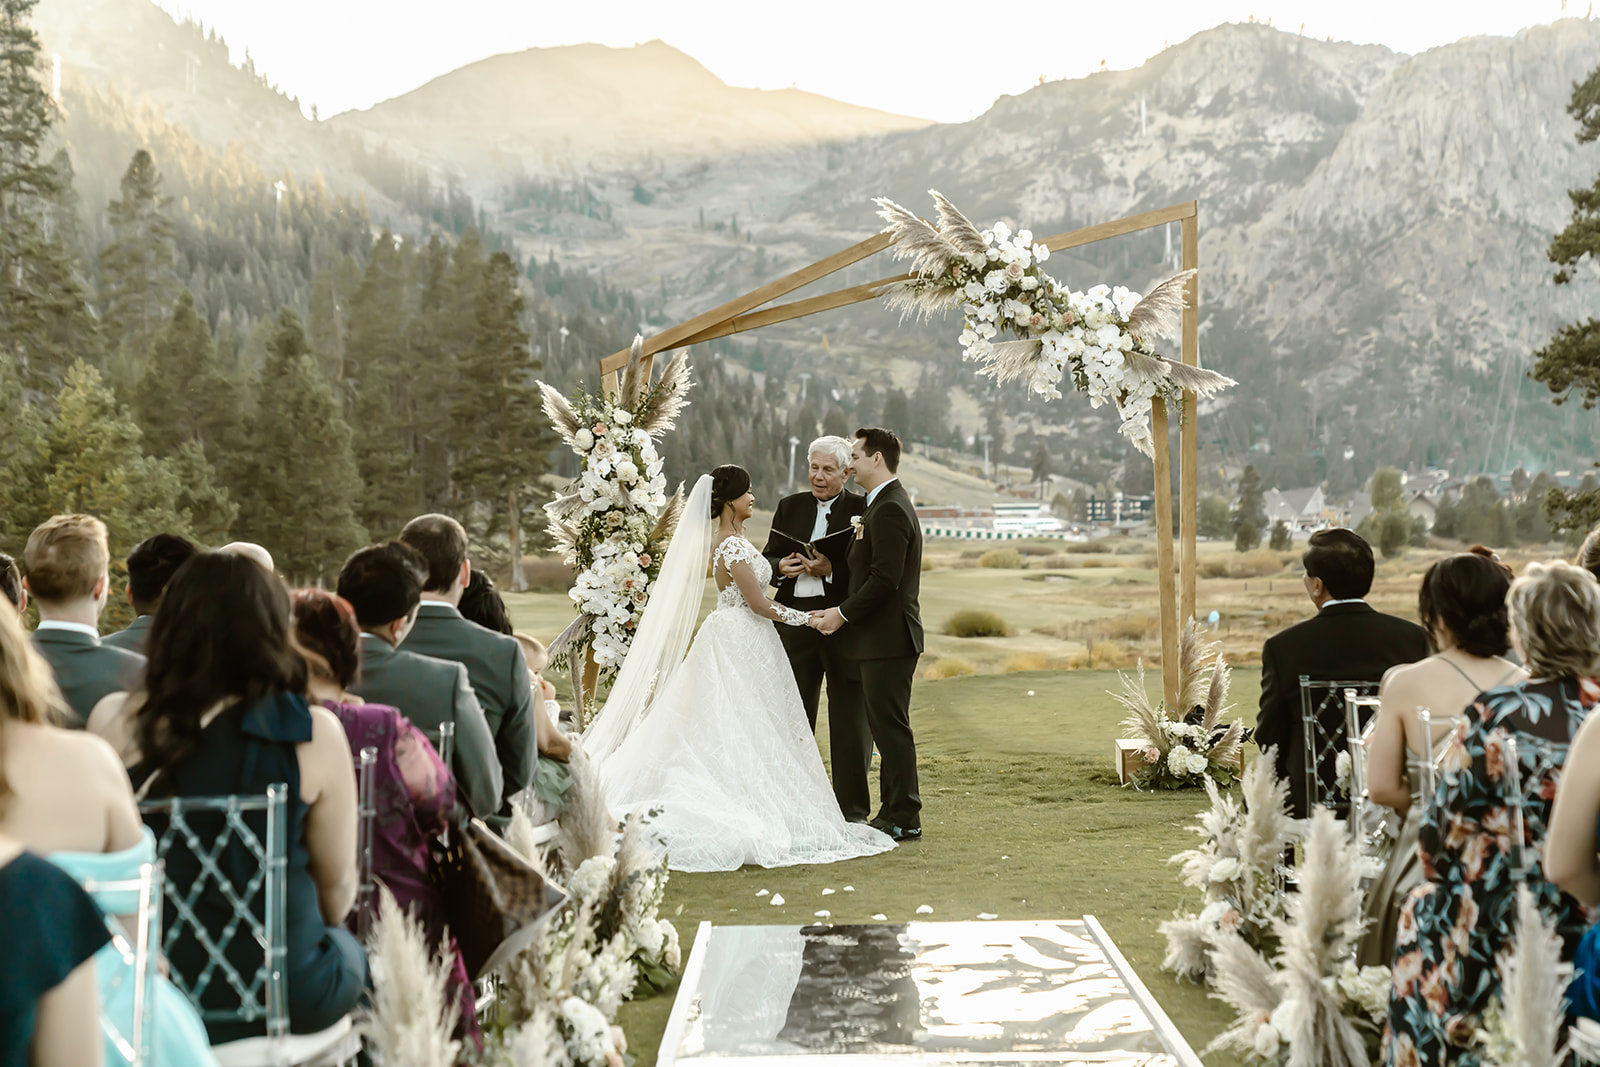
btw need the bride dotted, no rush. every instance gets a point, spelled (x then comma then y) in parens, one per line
(716, 741)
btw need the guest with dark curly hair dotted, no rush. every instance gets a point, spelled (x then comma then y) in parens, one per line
(1462, 605)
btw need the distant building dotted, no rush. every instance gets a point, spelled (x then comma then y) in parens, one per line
(1300, 509)
(1422, 506)
(1119, 508)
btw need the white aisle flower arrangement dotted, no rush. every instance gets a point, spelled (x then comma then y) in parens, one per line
(1235, 869)
(1102, 337)
(616, 520)
(1176, 753)
(559, 998)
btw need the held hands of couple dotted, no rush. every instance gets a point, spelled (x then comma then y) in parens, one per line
(826, 621)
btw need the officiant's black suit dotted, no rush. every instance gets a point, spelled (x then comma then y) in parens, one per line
(815, 657)
(1347, 642)
(883, 633)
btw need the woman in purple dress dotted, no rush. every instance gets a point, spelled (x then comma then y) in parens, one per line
(413, 792)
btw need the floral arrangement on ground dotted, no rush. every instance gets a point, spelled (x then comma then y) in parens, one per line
(1102, 337)
(615, 521)
(1186, 745)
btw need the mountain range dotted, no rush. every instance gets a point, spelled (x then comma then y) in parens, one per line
(1373, 225)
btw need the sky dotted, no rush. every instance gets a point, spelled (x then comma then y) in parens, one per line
(939, 59)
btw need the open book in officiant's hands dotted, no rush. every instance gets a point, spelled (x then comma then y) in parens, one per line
(834, 546)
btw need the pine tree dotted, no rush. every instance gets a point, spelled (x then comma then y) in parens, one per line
(303, 479)
(1250, 514)
(182, 394)
(138, 276)
(1570, 362)
(504, 438)
(374, 354)
(44, 319)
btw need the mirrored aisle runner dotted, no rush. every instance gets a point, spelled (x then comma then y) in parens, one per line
(902, 993)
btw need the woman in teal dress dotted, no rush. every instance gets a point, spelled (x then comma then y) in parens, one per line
(1455, 924)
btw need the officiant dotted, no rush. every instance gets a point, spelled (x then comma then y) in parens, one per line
(807, 548)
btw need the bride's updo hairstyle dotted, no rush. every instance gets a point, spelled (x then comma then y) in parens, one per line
(729, 482)
(1467, 592)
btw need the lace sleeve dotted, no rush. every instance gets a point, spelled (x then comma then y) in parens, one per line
(736, 552)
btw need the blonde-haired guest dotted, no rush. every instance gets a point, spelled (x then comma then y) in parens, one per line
(67, 574)
(1455, 923)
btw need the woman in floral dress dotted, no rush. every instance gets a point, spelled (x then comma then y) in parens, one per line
(1455, 923)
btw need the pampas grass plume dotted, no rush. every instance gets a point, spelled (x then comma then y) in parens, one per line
(1533, 981)
(413, 1014)
(586, 827)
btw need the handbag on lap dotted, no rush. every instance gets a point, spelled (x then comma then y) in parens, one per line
(494, 899)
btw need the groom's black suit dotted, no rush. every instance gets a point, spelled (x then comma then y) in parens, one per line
(814, 656)
(884, 635)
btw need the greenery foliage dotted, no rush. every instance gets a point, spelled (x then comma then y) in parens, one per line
(976, 622)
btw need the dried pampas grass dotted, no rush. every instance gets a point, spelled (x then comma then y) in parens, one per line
(560, 413)
(1160, 313)
(668, 398)
(1142, 719)
(1268, 829)
(538, 1042)
(586, 827)
(916, 239)
(1532, 999)
(1010, 360)
(956, 228)
(413, 1013)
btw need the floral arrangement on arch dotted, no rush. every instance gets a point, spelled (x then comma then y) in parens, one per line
(1101, 337)
(1178, 752)
(1235, 869)
(615, 521)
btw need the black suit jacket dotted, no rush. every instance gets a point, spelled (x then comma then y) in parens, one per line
(797, 516)
(885, 579)
(1342, 642)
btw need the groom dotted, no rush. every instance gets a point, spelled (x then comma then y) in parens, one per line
(885, 624)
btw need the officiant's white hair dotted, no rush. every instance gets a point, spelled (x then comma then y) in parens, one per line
(837, 447)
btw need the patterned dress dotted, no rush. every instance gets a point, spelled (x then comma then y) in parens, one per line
(1453, 924)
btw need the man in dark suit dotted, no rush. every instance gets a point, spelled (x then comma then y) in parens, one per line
(383, 583)
(1345, 641)
(884, 633)
(151, 565)
(816, 585)
(495, 662)
(67, 562)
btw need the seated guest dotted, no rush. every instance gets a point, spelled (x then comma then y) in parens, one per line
(66, 562)
(1589, 553)
(1454, 925)
(251, 551)
(11, 583)
(151, 565)
(481, 603)
(64, 795)
(53, 931)
(413, 791)
(383, 584)
(494, 661)
(1345, 641)
(1462, 605)
(223, 712)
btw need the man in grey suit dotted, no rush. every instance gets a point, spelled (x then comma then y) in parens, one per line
(151, 565)
(495, 662)
(383, 583)
(67, 562)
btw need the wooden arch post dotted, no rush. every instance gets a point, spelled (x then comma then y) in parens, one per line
(1176, 582)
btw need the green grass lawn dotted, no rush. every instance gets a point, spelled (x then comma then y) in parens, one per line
(1023, 819)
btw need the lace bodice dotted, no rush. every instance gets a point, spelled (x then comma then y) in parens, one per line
(737, 550)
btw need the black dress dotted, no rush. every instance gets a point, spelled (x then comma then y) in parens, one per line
(242, 751)
(51, 927)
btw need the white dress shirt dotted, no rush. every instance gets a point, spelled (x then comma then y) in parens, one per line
(810, 584)
(873, 495)
(74, 627)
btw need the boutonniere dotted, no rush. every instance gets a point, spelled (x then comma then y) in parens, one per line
(855, 524)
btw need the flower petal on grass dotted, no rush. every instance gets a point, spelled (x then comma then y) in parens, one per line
(761, 892)
(776, 899)
(880, 917)
(924, 909)
(849, 889)
(827, 892)
(822, 914)
(987, 915)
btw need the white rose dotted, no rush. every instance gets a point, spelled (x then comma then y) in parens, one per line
(1266, 1042)
(1226, 870)
(622, 417)
(584, 440)
(1213, 913)
(1198, 764)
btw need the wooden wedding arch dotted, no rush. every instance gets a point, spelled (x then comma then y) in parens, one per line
(741, 315)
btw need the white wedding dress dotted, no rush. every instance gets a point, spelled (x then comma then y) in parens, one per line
(721, 750)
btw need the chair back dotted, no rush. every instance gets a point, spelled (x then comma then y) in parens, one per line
(1529, 767)
(144, 894)
(367, 888)
(447, 742)
(208, 829)
(1325, 731)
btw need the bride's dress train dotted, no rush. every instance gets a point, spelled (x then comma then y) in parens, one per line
(724, 753)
